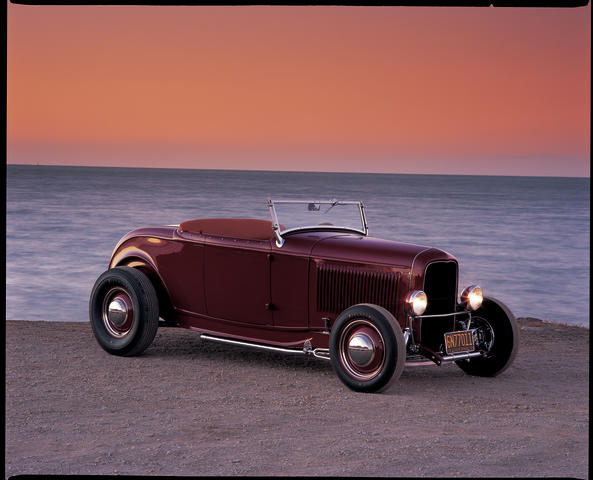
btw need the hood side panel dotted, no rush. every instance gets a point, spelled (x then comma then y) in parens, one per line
(366, 250)
(341, 286)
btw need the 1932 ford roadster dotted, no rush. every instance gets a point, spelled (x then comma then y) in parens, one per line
(314, 284)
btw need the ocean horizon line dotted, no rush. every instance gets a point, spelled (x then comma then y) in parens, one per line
(226, 170)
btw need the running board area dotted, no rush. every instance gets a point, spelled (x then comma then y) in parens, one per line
(324, 352)
(306, 350)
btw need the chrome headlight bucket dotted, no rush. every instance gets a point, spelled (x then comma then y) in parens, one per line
(472, 297)
(416, 301)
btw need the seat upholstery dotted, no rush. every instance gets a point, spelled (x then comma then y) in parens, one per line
(248, 228)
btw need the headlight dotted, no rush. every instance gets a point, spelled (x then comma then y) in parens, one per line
(473, 297)
(417, 301)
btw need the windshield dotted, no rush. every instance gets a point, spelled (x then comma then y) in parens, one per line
(291, 215)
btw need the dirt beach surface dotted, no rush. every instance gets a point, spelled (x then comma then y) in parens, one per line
(188, 407)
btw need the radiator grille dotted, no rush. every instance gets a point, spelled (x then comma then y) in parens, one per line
(341, 286)
(440, 286)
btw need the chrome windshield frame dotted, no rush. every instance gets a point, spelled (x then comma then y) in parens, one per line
(280, 234)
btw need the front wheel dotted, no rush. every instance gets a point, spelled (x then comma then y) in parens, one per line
(124, 311)
(498, 334)
(367, 348)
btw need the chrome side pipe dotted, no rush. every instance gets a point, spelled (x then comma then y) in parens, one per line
(321, 353)
(324, 352)
(306, 350)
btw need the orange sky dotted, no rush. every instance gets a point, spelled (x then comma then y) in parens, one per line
(377, 89)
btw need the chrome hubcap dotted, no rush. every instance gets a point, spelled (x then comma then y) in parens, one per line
(361, 350)
(117, 312)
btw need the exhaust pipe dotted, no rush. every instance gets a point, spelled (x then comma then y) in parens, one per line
(306, 350)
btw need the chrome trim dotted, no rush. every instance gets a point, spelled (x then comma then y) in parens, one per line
(412, 347)
(412, 266)
(325, 202)
(249, 344)
(409, 300)
(361, 349)
(306, 350)
(117, 312)
(353, 324)
(437, 315)
(323, 227)
(467, 291)
(321, 353)
(112, 309)
(276, 224)
(363, 218)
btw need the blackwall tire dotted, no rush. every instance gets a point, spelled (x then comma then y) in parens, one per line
(367, 348)
(496, 320)
(124, 311)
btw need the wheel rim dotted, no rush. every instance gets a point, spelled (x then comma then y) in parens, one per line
(118, 312)
(361, 349)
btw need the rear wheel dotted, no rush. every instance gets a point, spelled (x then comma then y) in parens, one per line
(498, 334)
(367, 348)
(124, 311)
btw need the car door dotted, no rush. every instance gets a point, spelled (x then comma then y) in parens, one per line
(237, 280)
(290, 287)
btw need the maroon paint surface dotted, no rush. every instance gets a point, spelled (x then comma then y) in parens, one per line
(251, 289)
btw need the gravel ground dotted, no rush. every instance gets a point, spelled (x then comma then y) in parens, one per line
(187, 407)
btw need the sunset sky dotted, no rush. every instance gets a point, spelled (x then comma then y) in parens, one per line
(363, 89)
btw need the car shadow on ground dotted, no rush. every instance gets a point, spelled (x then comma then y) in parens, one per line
(182, 344)
(192, 346)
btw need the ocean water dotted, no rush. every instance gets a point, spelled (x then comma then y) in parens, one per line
(525, 240)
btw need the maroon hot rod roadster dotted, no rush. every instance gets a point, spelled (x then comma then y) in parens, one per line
(310, 281)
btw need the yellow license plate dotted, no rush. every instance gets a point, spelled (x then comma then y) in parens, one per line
(460, 342)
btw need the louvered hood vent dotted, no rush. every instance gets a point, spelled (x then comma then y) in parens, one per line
(341, 286)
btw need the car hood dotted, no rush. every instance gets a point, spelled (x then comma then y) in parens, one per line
(361, 249)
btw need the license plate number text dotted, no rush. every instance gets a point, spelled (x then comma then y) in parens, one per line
(459, 342)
